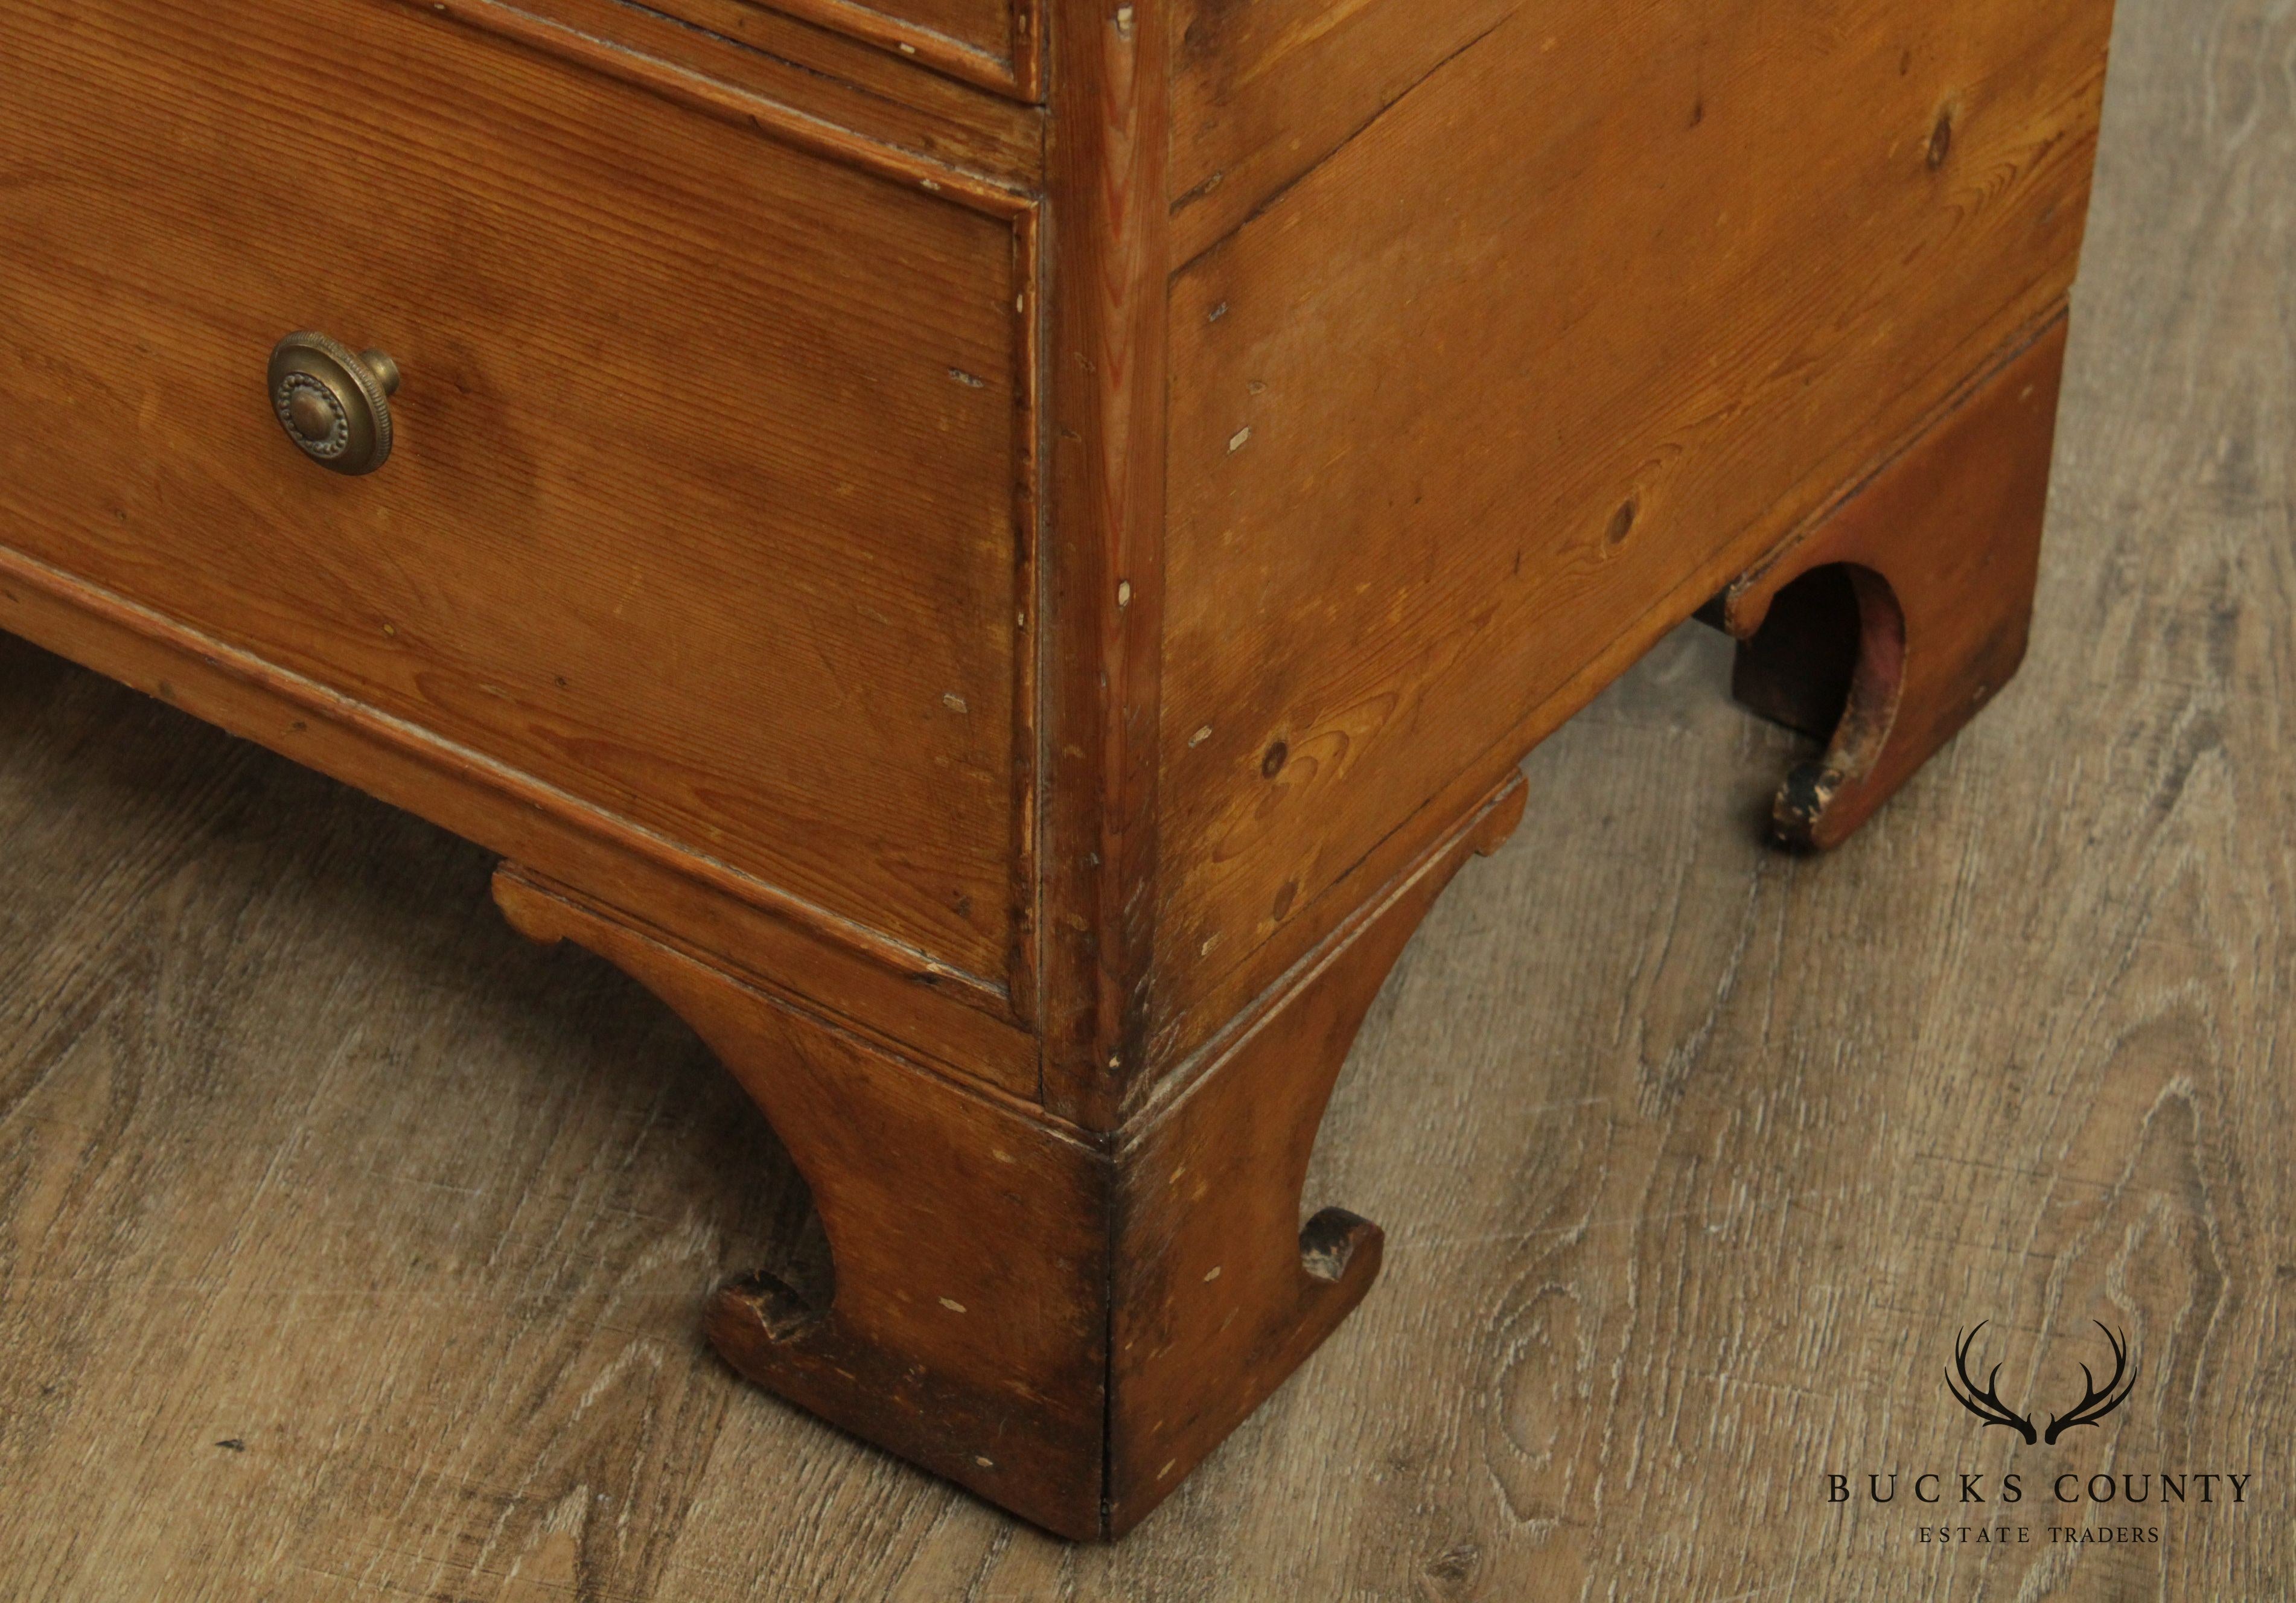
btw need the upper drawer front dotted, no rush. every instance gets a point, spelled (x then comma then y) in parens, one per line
(706, 505)
(997, 44)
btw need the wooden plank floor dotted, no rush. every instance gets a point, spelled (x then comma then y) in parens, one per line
(350, 1249)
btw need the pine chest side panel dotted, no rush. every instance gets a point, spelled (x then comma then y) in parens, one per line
(1478, 406)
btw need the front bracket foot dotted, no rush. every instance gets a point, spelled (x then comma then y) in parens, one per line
(1063, 1320)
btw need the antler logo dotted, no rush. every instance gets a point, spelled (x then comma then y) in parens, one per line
(1982, 1401)
(1985, 1401)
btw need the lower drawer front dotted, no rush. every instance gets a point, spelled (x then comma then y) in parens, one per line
(703, 507)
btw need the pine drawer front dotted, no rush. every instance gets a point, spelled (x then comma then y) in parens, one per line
(996, 44)
(708, 509)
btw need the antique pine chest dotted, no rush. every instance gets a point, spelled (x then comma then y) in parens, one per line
(998, 554)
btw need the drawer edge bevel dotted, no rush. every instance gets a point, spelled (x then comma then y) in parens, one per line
(1019, 75)
(699, 90)
(929, 1009)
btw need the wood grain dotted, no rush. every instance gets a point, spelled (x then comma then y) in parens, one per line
(996, 43)
(1263, 92)
(1103, 573)
(1937, 557)
(637, 541)
(1220, 1291)
(932, 1011)
(1478, 408)
(827, 77)
(1692, 1156)
(961, 1318)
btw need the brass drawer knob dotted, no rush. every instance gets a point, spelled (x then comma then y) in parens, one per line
(334, 402)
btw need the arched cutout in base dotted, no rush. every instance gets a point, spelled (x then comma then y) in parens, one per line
(1220, 1291)
(1064, 1321)
(1829, 661)
(1883, 625)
